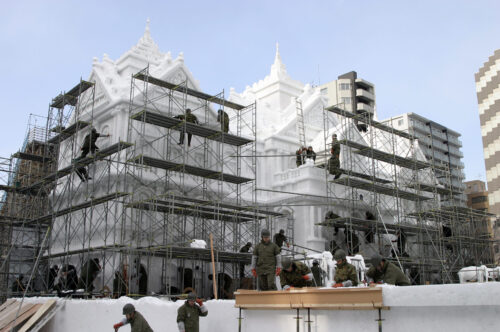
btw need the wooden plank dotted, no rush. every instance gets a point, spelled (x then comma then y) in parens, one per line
(363, 298)
(22, 318)
(7, 311)
(6, 304)
(11, 315)
(38, 315)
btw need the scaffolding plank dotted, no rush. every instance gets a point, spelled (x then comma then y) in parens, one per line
(190, 128)
(365, 225)
(100, 155)
(31, 156)
(380, 189)
(201, 209)
(373, 123)
(369, 152)
(67, 132)
(71, 97)
(175, 252)
(364, 176)
(193, 170)
(432, 189)
(191, 92)
(91, 202)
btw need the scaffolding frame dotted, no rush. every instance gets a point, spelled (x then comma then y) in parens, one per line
(382, 173)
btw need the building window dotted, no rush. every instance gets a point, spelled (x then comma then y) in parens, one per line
(345, 100)
(345, 86)
(479, 199)
(324, 91)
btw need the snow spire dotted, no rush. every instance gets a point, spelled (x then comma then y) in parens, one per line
(147, 32)
(278, 68)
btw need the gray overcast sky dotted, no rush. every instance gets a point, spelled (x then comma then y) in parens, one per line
(421, 55)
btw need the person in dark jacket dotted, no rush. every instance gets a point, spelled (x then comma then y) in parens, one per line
(53, 272)
(383, 271)
(345, 273)
(68, 280)
(318, 273)
(137, 322)
(295, 274)
(223, 118)
(244, 249)
(266, 262)
(311, 154)
(280, 238)
(89, 145)
(140, 277)
(334, 161)
(189, 117)
(18, 285)
(88, 273)
(299, 157)
(188, 315)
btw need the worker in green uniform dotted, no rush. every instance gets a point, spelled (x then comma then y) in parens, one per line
(189, 117)
(223, 118)
(266, 262)
(345, 273)
(188, 315)
(383, 271)
(295, 274)
(334, 162)
(134, 318)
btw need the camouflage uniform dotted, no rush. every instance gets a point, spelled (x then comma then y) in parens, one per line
(223, 118)
(279, 239)
(190, 316)
(390, 274)
(295, 277)
(334, 162)
(344, 272)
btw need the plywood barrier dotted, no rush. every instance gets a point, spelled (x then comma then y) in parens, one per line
(368, 298)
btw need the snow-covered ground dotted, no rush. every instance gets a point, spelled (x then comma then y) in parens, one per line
(456, 307)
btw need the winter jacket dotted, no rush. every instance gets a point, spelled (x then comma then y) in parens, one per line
(390, 274)
(344, 272)
(189, 316)
(139, 324)
(295, 278)
(266, 257)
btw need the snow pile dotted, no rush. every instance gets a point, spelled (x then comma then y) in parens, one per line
(198, 244)
(457, 307)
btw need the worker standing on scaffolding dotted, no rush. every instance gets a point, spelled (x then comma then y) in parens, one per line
(88, 146)
(334, 162)
(266, 262)
(280, 238)
(295, 274)
(310, 154)
(191, 118)
(223, 118)
(345, 273)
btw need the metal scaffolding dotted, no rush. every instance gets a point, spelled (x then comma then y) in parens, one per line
(396, 205)
(147, 198)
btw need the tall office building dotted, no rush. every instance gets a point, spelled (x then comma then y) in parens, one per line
(441, 147)
(352, 94)
(477, 195)
(488, 98)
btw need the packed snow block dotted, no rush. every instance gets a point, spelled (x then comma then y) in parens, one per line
(455, 307)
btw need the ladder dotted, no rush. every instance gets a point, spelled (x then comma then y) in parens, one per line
(300, 122)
